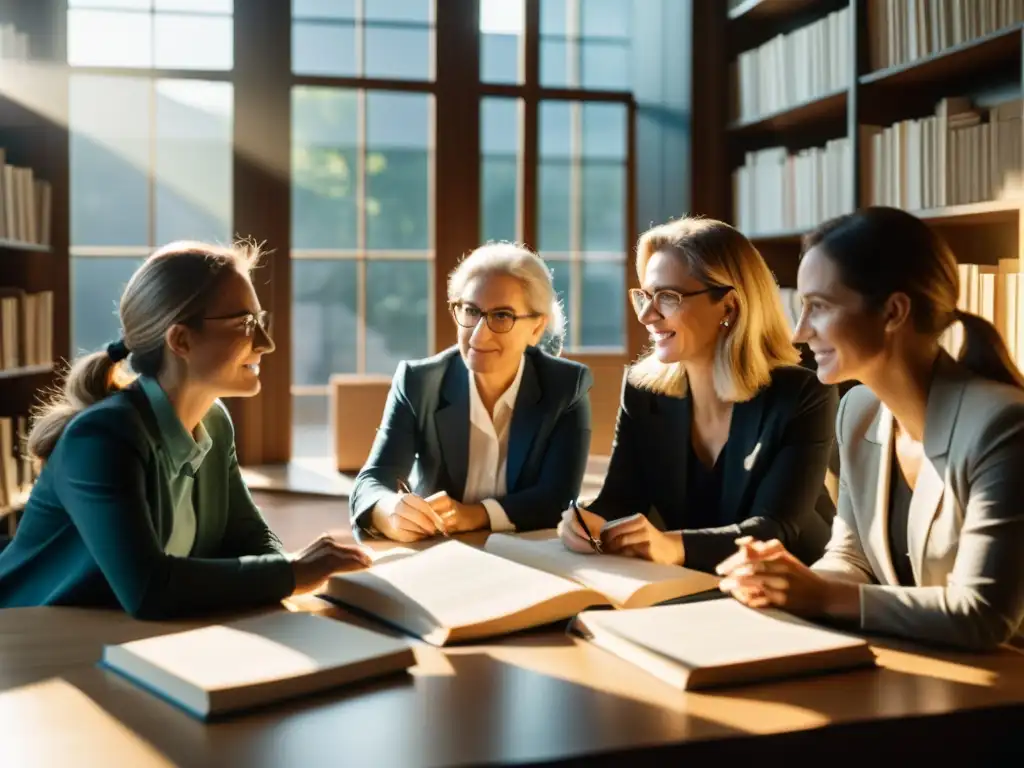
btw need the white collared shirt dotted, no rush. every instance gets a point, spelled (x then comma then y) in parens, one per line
(486, 473)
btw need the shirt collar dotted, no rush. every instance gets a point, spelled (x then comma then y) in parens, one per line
(184, 451)
(508, 397)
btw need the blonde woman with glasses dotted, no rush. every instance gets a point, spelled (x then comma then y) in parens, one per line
(492, 433)
(720, 434)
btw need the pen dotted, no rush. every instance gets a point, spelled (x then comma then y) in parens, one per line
(594, 543)
(403, 487)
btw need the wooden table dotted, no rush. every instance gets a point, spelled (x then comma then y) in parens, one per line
(536, 697)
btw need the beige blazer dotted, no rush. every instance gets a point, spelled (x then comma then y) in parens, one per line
(966, 523)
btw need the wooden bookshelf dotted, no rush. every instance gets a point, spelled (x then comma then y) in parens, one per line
(759, 10)
(820, 111)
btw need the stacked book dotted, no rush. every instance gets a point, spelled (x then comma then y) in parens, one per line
(902, 31)
(17, 470)
(25, 205)
(790, 69)
(959, 155)
(776, 191)
(996, 292)
(26, 328)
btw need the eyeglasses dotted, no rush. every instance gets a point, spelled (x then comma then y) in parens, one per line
(667, 302)
(498, 320)
(249, 321)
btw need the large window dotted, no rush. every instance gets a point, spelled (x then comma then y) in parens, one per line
(362, 197)
(151, 155)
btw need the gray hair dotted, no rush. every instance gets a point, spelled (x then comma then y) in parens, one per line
(518, 261)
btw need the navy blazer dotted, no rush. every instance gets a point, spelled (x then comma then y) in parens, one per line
(424, 437)
(774, 467)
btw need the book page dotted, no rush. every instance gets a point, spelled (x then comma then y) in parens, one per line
(718, 633)
(450, 585)
(619, 578)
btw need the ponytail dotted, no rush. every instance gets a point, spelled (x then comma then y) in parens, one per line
(90, 379)
(984, 352)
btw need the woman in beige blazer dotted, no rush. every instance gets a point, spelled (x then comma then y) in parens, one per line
(928, 539)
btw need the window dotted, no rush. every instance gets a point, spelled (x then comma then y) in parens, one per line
(499, 169)
(586, 44)
(387, 39)
(362, 197)
(157, 168)
(501, 30)
(165, 34)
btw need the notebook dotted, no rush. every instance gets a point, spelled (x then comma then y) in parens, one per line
(720, 642)
(222, 668)
(454, 592)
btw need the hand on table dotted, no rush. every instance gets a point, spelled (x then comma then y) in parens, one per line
(572, 534)
(312, 564)
(636, 536)
(411, 518)
(456, 516)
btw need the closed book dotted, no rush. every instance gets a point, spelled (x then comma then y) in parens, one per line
(219, 669)
(720, 642)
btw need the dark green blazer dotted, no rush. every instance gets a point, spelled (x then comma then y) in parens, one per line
(95, 526)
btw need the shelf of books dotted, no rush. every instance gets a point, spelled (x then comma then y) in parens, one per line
(34, 263)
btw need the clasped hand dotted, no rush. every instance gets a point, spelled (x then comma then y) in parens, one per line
(412, 518)
(633, 536)
(762, 574)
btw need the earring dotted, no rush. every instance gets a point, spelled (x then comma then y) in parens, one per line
(725, 323)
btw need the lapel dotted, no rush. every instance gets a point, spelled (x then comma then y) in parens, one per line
(742, 450)
(878, 533)
(671, 417)
(527, 416)
(452, 421)
(944, 397)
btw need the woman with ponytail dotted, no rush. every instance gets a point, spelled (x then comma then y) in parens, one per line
(928, 538)
(140, 501)
(492, 433)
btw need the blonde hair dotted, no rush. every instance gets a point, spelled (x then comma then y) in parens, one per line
(758, 340)
(174, 285)
(518, 261)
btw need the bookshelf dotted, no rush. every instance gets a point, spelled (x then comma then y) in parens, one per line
(903, 63)
(34, 223)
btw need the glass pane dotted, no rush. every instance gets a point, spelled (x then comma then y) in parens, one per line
(324, 319)
(606, 18)
(311, 426)
(605, 66)
(499, 172)
(603, 310)
(554, 62)
(399, 10)
(501, 24)
(397, 178)
(605, 131)
(143, 5)
(109, 158)
(324, 49)
(554, 17)
(397, 311)
(196, 6)
(324, 124)
(194, 148)
(324, 9)
(553, 204)
(194, 42)
(398, 52)
(96, 288)
(109, 39)
(555, 129)
(604, 207)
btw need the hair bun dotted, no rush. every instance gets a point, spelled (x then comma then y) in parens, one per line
(117, 351)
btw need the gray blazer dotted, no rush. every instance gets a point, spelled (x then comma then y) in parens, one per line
(966, 527)
(424, 436)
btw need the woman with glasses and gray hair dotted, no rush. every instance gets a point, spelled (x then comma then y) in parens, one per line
(492, 433)
(720, 434)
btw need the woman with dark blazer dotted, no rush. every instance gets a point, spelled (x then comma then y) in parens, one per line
(720, 434)
(492, 433)
(928, 537)
(140, 502)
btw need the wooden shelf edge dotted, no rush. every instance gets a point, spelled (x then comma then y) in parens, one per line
(979, 43)
(791, 116)
(761, 9)
(17, 245)
(25, 371)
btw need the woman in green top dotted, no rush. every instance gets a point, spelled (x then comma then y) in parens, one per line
(140, 501)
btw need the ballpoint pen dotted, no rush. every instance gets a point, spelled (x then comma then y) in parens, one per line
(595, 544)
(403, 487)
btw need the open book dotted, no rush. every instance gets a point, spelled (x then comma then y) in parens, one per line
(720, 642)
(453, 592)
(217, 669)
